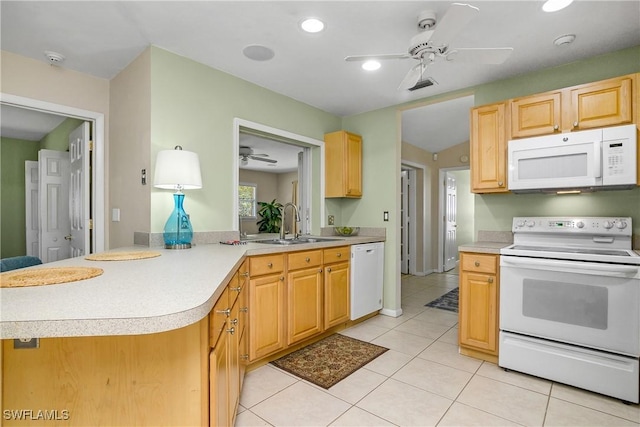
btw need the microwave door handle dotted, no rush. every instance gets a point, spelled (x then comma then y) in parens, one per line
(569, 266)
(597, 159)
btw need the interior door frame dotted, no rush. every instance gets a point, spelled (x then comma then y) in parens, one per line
(442, 204)
(304, 140)
(98, 156)
(426, 218)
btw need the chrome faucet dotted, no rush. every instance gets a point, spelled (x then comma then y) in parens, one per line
(284, 209)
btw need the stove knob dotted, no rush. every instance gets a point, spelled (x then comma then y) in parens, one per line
(607, 224)
(621, 225)
(580, 224)
(530, 223)
(520, 223)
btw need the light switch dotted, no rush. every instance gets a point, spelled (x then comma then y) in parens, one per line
(115, 215)
(385, 216)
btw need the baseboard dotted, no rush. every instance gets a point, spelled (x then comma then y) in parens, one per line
(391, 313)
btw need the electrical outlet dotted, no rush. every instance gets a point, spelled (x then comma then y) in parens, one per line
(332, 219)
(26, 343)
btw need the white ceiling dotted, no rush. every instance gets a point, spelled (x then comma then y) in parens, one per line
(102, 38)
(28, 125)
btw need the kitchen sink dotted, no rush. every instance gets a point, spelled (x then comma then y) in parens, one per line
(298, 241)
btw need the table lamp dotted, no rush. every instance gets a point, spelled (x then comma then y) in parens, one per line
(177, 170)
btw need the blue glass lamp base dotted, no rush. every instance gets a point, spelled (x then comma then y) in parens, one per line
(178, 232)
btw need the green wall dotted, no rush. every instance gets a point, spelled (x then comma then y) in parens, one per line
(194, 105)
(58, 139)
(13, 154)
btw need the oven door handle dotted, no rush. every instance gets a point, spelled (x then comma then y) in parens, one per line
(570, 266)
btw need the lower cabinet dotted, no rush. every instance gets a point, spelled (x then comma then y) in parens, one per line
(337, 295)
(478, 305)
(304, 295)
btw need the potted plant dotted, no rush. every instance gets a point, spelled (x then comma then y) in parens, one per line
(271, 215)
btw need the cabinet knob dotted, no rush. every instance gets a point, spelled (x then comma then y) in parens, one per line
(500, 184)
(282, 279)
(490, 280)
(238, 289)
(307, 259)
(575, 124)
(226, 312)
(339, 254)
(270, 265)
(244, 309)
(245, 274)
(231, 330)
(556, 127)
(477, 263)
(329, 269)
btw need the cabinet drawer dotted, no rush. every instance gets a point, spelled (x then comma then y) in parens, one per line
(336, 254)
(267, 264)
(218, 317)
(479, 263)
(297, 260)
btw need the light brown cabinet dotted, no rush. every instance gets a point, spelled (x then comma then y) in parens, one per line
(488, 149)
(267, 305)
(343, 164)
(304, 295)
(336, 286)
(479, 305)
(536, 115)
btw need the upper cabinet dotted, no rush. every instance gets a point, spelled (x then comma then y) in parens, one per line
(536, 115)
(592, 105)
(343, 164)
(488, 149)
(605, 103)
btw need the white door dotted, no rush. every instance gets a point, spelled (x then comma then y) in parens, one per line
(79, 191)
(405, 224)
(450, 238)
(31, 207)
(55, 227)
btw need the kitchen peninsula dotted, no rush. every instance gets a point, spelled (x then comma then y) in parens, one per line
(131, 346)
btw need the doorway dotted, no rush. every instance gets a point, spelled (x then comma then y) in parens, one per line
(308, 158)
(94, 202)
(456, 213)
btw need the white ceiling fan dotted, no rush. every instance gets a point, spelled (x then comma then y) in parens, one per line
(433, 42)
(247, 153)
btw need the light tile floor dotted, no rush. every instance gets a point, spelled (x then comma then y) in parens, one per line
(423, 381)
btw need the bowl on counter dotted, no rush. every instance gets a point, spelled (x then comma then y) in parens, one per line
(347, 231)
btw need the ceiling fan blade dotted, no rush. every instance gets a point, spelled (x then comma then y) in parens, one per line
(412, 77)
(454, 20)
(262, 159)
(495, 55)
(382, 57)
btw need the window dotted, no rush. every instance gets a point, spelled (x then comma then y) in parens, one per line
(247, 200)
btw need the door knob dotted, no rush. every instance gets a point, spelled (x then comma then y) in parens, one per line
(69, 237)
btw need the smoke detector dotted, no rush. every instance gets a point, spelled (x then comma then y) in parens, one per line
(54, 58)
(564, 40)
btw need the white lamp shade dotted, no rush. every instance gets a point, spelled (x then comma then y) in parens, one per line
(177, 169)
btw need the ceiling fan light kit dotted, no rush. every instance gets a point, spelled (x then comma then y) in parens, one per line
(246, 153)
(433, 41)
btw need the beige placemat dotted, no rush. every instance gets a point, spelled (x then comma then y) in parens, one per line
(122, 256)
(47, 276)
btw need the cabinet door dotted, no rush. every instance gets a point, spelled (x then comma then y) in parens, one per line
(478, 311)
(353, 165)
(266, 315)
(243, 320)
(336, 294)
(536, 115)
(219, 414)
(233, 364)
(304, 300)
(601, 104)
(488, 149)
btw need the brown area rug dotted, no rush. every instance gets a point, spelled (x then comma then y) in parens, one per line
(330, 360)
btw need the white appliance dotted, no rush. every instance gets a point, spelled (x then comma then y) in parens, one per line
(589, 160)
(570, 303)
(367, 270)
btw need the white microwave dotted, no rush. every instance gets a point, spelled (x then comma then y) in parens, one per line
(589, 160)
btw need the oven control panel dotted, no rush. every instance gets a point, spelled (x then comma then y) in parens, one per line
(587, 225)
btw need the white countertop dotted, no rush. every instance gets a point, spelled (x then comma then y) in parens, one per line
(135, 297)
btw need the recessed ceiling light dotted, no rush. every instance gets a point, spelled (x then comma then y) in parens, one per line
(312, 25)
(371, 65)
(555, 5)
(258, 52)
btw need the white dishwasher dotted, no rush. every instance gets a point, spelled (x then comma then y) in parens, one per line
(367, 270)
